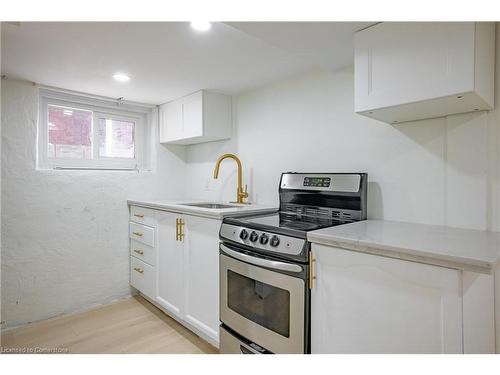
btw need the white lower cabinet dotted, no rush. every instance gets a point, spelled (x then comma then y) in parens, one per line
(363, 303)
(143, 246)
(188, 271)
(143, 252)
(201, 274)
(142, 277)
(170, 261)
(174, 261)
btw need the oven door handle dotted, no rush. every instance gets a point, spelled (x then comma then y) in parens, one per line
(272, 264)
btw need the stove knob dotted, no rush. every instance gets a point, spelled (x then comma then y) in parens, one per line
(243, 234)
(275, 241)
(263, 239)
(254, 236)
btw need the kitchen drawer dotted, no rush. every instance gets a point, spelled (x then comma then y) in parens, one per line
(142, 233)
(143, 216)
(142, 277)
(143, 252)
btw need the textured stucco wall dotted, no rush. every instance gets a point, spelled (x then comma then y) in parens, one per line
(65, 242)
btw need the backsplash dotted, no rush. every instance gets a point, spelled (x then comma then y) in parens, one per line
(440, 171)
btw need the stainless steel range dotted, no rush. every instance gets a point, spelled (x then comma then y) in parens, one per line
(264, 262)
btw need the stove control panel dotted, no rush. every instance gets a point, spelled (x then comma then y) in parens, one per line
(262, 240)
(253, 236)
(275, 241)
(244, 234)
(328, 182)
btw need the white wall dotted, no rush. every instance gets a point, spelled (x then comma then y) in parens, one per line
(65, 242)
(1, 324)
(443, 171)
(440, 171)
(64, 233)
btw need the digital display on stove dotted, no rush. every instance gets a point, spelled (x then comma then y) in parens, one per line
(317, 181)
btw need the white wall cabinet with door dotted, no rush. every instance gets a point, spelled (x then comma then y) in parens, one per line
(203, 116)
(363, 303)
(188, 271)
(411, 71)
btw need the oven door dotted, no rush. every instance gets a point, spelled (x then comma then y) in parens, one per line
(263, 300)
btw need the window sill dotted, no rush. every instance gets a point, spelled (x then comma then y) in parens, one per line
(90, 169)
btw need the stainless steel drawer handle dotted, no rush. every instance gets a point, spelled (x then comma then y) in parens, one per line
(137, 269)
(140, 252)
(138, 234)
(139, 215)
(273, 264)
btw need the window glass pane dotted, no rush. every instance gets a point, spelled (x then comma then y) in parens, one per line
(69, 133)
(264, 304)
(116, 138)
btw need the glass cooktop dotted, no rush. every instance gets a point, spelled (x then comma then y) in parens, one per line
(286, 223)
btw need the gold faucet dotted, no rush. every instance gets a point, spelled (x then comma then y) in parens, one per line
(240, 194)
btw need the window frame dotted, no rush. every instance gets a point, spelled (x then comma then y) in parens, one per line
(95, 146)
(100, 108)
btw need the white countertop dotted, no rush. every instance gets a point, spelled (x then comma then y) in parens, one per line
(241, 209)
(463, 249)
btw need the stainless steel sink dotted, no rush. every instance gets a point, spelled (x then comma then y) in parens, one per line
(213, 206)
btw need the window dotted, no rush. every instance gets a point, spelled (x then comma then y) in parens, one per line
(84, 133)
(116, 138)
(70, 132)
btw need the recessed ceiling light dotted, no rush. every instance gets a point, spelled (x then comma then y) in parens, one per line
(201, 26)
(120, 77)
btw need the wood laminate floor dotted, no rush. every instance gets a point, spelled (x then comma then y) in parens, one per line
(130, 326)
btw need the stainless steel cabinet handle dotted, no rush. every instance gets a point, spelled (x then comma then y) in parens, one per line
(282, 266)
(137, 269)
(137, 234)
(140, 252)
(139, 215)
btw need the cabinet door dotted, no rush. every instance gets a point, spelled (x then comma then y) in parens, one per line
(192, 115)
(171, 121)
(170, 261)
(364, 303)
(201, 270)
(404, 62)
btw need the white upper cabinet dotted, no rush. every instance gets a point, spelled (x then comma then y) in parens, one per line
(199, 117)
(171, 114)
(415, 70)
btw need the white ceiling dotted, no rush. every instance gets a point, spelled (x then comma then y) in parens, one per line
(166, 60)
